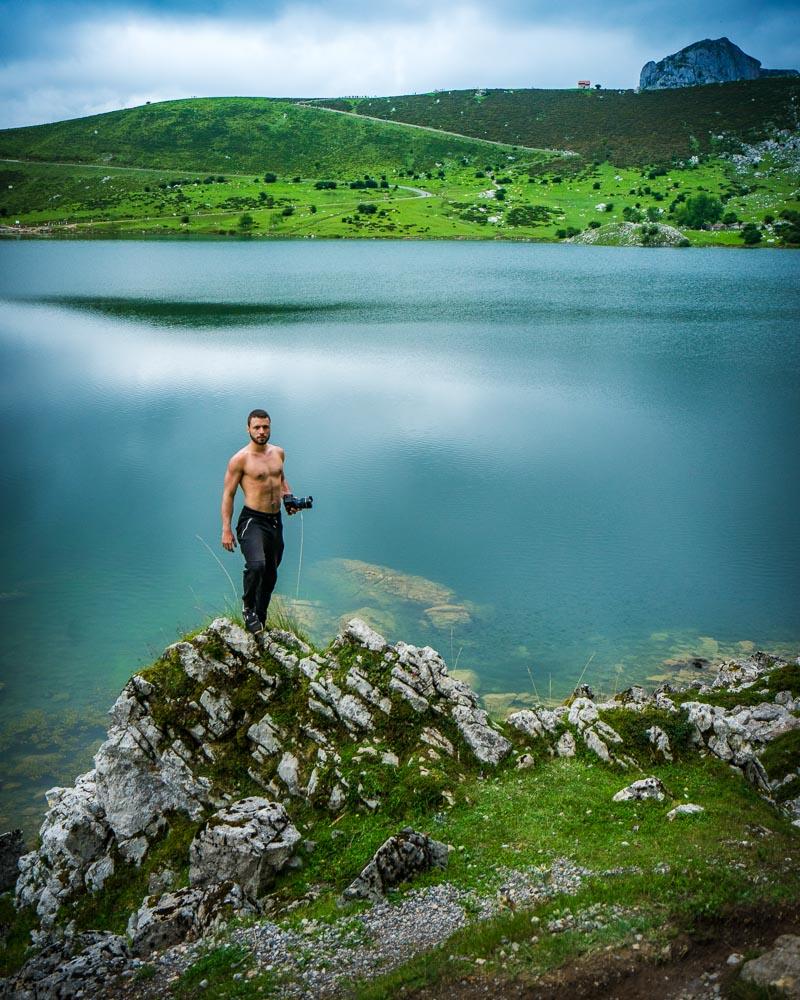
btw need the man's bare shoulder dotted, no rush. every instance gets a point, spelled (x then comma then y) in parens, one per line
(238, 460)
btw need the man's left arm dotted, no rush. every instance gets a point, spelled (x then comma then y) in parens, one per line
(286, 489)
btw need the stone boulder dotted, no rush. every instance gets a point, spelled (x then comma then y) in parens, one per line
(397, 860)
(247, 843)
(184, 915)
(685, 809)
(644, 788)
(777, 969)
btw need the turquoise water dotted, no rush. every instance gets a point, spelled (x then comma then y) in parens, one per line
(572, 455)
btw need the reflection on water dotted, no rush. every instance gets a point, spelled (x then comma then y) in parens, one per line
(206, 315)
(543, 461)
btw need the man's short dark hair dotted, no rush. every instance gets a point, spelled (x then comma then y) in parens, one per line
(261, 414)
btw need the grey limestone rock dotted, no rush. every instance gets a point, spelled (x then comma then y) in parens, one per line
(778, 968)
(582, 713)
(354, 713)
(184, 915)
(247, 843)
(660, 741)
(358, 631)
(219, 710)
(685, 809)
(71, 966)
(536, 722)
(289, 773)
(266, 734)
(74, 835)
(136, 786)
(417, 702)
(195, 664)
(397, 860)
(357, 682)
(435, 739)
(716, 60)
(235, 638)
(489, 746)
(596, 745)
(644, 788)
(565, 747)
(98, 873)
(634, 697)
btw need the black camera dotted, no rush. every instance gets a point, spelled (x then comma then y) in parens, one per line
(293, 503)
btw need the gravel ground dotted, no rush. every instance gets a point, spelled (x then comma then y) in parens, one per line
(318, 958)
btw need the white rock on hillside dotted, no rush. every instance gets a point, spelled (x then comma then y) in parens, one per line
(248, 844)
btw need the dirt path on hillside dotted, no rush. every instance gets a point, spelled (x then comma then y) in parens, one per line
(693, 967)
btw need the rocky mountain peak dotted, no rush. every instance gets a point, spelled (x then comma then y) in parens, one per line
(712, 60)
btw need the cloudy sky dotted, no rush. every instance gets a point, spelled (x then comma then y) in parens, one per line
(67, 59)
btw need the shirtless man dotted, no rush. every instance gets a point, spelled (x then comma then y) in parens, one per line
(258, 469)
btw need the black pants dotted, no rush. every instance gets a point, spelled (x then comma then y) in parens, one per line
(261, 541)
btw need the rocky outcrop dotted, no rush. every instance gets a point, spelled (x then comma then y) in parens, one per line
(185, 719)
(213, 750)
(738, 735)
(397, 860)
(709, 61)
(72, 966)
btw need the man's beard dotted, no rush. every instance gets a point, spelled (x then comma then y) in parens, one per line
(257, 440)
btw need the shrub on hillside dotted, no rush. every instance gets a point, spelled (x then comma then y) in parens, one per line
(751, 235)
(699, 211)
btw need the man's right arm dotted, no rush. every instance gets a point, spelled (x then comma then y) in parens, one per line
(233, 477)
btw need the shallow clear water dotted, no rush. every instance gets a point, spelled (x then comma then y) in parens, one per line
(588, 455)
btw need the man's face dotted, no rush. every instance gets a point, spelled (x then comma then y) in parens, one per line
(259, 429)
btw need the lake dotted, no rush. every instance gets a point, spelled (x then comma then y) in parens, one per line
(547, 461)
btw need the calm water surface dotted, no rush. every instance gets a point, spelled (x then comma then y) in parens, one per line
(530, 457)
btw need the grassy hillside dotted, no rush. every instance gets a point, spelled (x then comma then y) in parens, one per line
(621, 126)
(549, 201)
(234, 134)
(258, 167)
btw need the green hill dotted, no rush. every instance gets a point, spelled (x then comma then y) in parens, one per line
(276, 168)
(235, 134)
(621, 126)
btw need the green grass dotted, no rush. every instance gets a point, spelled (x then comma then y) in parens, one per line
(620, 126)
(526, 820)
(15, 934)
(236, 134)
(545, 202)
(250, 168)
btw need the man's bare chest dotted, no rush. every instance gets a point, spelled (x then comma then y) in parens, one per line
(263, 470)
